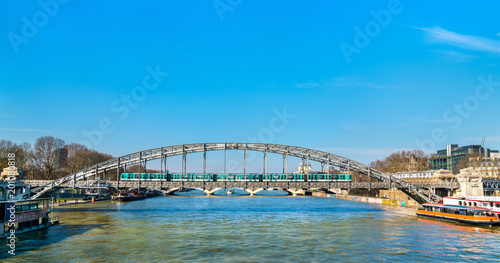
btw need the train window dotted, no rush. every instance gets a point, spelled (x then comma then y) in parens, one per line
(475, 204)
(497, 205)
(459, 202)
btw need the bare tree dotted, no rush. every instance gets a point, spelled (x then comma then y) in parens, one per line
(46, 155)
(23, 155)
(76, 157)
(470, 160)
(6, 147)
(80, 157)
(139, 168)
(403, 161)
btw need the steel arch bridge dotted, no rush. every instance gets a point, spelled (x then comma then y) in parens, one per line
(162, 153)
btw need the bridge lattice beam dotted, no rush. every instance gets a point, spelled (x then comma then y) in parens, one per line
(295, 151)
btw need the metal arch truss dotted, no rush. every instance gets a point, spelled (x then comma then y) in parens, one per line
(183, 149)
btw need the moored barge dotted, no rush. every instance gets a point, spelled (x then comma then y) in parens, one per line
(127, 197)
(25, 216)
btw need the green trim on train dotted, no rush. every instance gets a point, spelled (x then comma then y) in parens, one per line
(234, 177)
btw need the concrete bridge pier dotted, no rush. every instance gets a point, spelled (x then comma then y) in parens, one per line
(252, 191)
(169, 191)
(210, 192)
(335, 190)
(294, 192)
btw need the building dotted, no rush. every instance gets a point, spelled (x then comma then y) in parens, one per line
(62, 155)
(489, 170)
(17, 173)
(443, 176)
(449, 158)
(414, 177)
(426, 176)
(304, 167)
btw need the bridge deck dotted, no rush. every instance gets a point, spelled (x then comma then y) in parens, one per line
(273, 184)
(253, 184)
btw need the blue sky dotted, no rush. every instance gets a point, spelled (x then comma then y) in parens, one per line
(420, 74)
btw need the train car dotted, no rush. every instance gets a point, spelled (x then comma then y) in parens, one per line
(191, 177)
(317, 177)
(225, 177)
(124, 176)
(235, 177)
(329, 177)
(274, 177)
(238, 177)
(344, 177)
(296, 177)
(155, 177)
(143, 176)
(130, 176)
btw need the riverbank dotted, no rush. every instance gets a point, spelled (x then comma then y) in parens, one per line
(372, 200)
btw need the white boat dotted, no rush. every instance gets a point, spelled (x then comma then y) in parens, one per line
(458, 213)
(492, 203)
(230, 192)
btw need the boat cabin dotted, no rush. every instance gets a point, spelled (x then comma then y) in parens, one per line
(456, 209)
(24, 216)
(463, 214)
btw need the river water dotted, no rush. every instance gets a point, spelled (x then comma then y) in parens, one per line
(251, 229)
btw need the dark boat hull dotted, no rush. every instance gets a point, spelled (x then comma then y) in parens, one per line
(127, 198)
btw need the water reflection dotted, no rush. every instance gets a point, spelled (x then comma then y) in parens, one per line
(459, 227)
(38, 240)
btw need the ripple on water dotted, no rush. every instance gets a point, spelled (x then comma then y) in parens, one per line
(252, 229)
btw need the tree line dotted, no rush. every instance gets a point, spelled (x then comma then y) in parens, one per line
(403, 161)
(50, 158)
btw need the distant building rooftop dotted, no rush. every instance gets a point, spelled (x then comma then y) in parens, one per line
(18, 174)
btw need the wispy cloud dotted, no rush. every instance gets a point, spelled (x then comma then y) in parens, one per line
(352, 126)
(456, 56)
(401, 124)
(22, 130)
(470, 42)
(345, 82)
(360, 152)
(423, 119)
(310, 84)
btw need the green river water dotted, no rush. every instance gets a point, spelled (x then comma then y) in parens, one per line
(251, 229)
